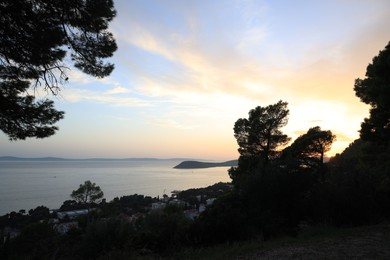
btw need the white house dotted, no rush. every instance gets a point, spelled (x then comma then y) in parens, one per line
(210, 201)
(158, 205)
(64, 228)
(73, 213)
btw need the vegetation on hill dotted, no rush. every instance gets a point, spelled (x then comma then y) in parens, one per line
(199, 165)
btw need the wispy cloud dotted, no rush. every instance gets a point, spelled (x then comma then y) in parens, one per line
(299, 132)
(170, 124)
(340, 137)
(77, 77)
(117, 90)
(187, 70)
(80, 95)
(315, 121)
(250, 57)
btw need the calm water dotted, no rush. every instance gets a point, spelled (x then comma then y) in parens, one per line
(28, 184)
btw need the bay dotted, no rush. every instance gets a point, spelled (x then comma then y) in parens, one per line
(28, 184)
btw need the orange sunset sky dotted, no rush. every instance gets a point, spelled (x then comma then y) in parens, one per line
(185, 71)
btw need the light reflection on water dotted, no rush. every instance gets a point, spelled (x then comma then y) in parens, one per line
(28, 184)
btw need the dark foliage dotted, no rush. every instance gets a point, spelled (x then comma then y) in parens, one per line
(87, 193)
(127, 204)
(224, 221)
(308, 150)
(21, 219)
(268, 203)
(213, 191)
(260, 134)
(375, 91)
(360, 178)
(36, 241)
(35, 37)
(259, 139)
(163, 231)
(104, 236)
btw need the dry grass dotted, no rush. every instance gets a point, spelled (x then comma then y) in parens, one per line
(369, 242)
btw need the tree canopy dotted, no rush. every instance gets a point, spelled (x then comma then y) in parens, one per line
(260, 139)
(87, 193)
(260, 134)
(374, 90)
(37, 40)
(309, 149)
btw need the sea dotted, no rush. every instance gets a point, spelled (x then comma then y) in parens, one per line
(26, 184)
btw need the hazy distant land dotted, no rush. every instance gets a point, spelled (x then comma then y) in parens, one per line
(199, 165)
(185, 164)
(14, 158)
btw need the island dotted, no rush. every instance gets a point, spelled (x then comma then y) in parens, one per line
(199, 165)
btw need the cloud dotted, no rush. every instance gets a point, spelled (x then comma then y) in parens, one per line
(246, 49)
(77, 90)
(77, 77)
(80, 95)
(143, 39)
(170, 124)
(210, 64)
(252, 38)
(316, 121)
(121, 118)
(117, 90)
(219, 66)
(227, 72)
(299, 132)
(341, 137)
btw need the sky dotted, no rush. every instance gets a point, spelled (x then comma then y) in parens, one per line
(185, 71)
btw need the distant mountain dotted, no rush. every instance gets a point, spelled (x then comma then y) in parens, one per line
(199, 165)
(14, 158)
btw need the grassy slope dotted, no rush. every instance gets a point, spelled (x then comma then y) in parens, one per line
(368, 242)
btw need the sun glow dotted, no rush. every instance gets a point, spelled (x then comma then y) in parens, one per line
(185, 72)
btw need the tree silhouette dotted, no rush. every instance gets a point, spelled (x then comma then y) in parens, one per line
(87, 193)
(35, 37)
(375, 91)
(260, 134)
(309, 149)
(259, 138)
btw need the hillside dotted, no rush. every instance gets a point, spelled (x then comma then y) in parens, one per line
(366, 242)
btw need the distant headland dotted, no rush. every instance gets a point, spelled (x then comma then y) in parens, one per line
(199, 165)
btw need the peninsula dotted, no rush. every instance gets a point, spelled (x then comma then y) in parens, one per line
(199, 165)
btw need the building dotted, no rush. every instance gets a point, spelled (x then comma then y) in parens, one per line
(72, 214)
(64, 228)
(158, 205)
